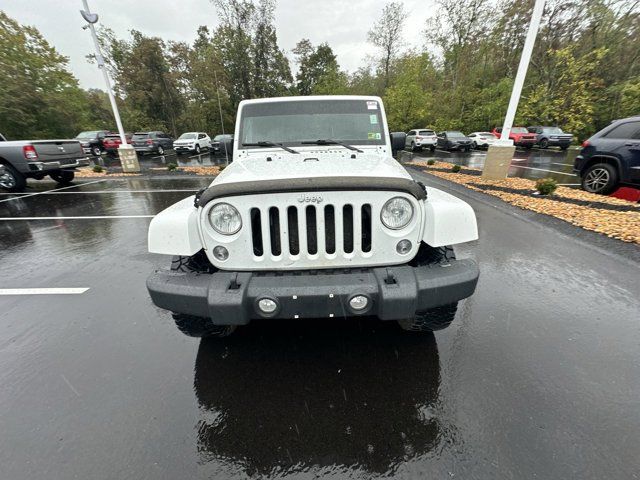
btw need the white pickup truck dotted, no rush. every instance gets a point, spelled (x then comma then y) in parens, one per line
(314, 218)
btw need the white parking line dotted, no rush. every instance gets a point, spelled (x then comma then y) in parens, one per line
(545, 170)
(563, 164)
(95, 217)
(570, 184)
(42, 291)
(54, 190)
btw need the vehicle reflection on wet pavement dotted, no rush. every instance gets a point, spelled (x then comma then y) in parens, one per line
(338, 396)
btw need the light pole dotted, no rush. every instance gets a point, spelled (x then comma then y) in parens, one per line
(126, 152)
(500, 154)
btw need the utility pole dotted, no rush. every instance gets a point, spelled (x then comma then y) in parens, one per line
(127, 154)
(500, 154)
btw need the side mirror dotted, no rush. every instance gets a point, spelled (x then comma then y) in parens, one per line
(397, 141)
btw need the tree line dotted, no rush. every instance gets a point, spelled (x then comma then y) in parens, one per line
(585, 70)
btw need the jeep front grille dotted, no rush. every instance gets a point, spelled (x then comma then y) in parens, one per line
(311, 230)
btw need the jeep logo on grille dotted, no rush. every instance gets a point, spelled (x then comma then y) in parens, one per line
(310, 199)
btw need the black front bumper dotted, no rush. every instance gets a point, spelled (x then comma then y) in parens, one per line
(394, 293)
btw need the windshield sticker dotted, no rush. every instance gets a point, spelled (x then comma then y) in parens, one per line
(373, 119)
(371, 105)
(373, 136)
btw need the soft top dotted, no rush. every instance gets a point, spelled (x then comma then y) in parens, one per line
(312, 184)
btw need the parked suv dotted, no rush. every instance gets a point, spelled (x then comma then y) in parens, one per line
(92, 141)
(313, 219)
(520, 136)
(551, 137)
(151, 142)
(222, 144)
(611, 157)
(192, 142)
(419, 139)
(454, 140)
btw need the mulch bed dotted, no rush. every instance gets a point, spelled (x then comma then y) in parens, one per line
(610, 216)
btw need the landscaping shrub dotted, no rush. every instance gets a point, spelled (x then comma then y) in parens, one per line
(456, 168)
(546, 186)
(98, 168)
(431, 161)
(171, 166)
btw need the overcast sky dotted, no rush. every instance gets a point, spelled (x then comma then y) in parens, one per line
(341, 23)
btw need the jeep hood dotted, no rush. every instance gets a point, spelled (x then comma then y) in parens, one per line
(270, 166)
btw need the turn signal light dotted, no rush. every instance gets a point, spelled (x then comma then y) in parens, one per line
(585, 144)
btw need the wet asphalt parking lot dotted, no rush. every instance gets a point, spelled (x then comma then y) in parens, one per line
(538, 376)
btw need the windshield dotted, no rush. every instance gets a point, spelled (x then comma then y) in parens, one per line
(519, 130)
(455, 134)
(553, 130)
(87, 134)
(188, 136)
(355, 122)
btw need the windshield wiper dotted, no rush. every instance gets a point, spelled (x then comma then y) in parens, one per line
(329, 141)
(269, 144)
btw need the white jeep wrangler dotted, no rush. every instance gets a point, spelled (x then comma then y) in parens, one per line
(314, 218)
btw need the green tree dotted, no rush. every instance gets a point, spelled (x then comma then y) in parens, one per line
(386, 34)
(318, 72)
(39, 98)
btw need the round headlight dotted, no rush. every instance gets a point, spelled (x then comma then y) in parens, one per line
(225, 219)
(396, 213)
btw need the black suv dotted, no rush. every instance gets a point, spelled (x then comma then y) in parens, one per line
(151, 142)
(611, 157)
(91, 141)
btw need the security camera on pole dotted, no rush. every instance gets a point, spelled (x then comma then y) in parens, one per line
(126, 152)
(500, 154)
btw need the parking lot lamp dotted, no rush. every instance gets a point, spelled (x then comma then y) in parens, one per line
(126, 152)
(500, 154)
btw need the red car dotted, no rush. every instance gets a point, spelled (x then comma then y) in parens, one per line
(112, 142)
(521, 136)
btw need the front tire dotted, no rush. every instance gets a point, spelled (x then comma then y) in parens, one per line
(190, 325)
(413, 146)
(63, 177)
(197, 150)
(96, 151)
(12, 180)
(201, 327)
(474, 145)
(431, 320)
(436, 318)
(600, 178)
(544, 143)
(160, 150)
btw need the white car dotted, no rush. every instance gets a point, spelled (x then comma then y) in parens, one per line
(313, 219)
(192, 142)
(482, 139)
(421, 138)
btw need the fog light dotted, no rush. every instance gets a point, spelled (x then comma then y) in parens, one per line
(220, 253)
(266, 305)
(359, 302)
(403, 247)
